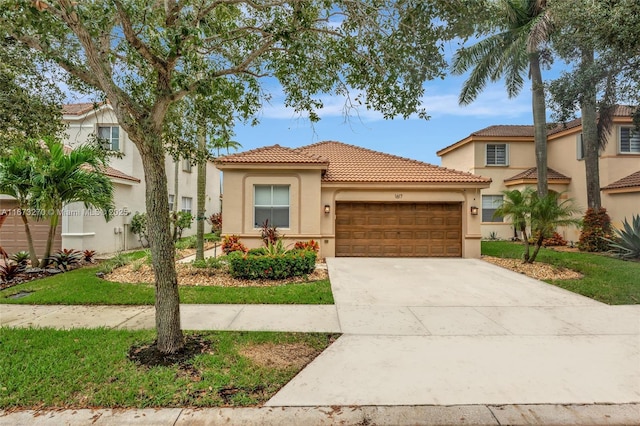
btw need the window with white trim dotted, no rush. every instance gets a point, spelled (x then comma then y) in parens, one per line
(110, 137)
(491, 203)
(497, 154)
(271, 202)
(186, 204)
(629, 140)
(171, 202)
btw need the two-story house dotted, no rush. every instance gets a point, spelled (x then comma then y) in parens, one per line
(83, 229)
(505, 153)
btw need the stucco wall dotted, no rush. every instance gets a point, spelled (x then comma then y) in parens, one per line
(304, 198)
(308, 198)
(86, 229)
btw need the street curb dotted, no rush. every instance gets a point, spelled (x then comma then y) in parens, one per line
(433, 415)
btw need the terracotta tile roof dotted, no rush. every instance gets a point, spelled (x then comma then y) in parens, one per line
(81, 108)
(109, 171)
(274, 154)
(532, 174)
(515, 130)
(115, 173)
(526, 130)
(349, 163)
(631, 181)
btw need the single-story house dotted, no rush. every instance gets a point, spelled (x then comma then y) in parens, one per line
(353, 201)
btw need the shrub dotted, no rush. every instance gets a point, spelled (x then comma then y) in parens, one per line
(116, 261)
(180, 221)
(276, 248)
(270, 234)
(627, 242)
(216, 222)
(307, 245)
(88, 255)
(294, 263)
(596, 230)
(9, 271)
(209, 263)
(21, 257)
(139, 227)
(187, 243)
(261, 251)
(65, 258)
(554, 240)
(231, 243)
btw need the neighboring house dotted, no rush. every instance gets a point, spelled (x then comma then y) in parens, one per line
(506, 155)
(353, 201)
(83, 229)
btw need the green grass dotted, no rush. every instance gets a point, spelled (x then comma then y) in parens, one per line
(83, 287)
(46, 368)
(606, 279)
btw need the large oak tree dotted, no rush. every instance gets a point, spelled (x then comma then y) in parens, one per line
(147, 55)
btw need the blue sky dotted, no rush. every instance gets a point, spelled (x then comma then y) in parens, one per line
(413, 138)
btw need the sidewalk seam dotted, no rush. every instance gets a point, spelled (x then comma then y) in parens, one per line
(175, 422)
(146, 309)
(493, 415)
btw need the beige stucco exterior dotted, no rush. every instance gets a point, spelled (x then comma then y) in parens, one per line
(309, 195)
(86, 229)
(469, 155)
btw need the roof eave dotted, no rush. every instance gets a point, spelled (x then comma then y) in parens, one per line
(482, 138)
(534, 181)
(626, 189)
(84, 115)
(271, 166)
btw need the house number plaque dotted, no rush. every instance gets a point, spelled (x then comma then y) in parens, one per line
(398, 196)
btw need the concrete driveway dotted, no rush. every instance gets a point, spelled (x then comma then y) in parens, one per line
(462, 331)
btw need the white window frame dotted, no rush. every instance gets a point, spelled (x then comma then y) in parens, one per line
(281, 206)
(506, 155)
(494, 202)
(172, 200)
(109, 144)
(633, 134)
(187, 204)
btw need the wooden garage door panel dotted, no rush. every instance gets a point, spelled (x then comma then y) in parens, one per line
(398, 229)
(13, 237)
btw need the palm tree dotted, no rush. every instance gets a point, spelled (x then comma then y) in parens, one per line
(547, 213)
(16, 171)
(517, 207)
(68, 177)
(524, 25)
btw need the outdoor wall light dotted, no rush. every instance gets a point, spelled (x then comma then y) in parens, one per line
(327, 209)
(474, 210)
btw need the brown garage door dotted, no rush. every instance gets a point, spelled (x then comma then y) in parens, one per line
(12, 235)
(399, 229)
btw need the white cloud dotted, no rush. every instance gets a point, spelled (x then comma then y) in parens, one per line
(491, 103)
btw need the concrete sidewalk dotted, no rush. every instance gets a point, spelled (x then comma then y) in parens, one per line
(475, 415)
(300, 318)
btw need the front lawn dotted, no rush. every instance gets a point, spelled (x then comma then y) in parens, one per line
(81, 368)
(606, 279)
(83, 287)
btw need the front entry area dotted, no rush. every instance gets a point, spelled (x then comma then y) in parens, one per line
(398, 229)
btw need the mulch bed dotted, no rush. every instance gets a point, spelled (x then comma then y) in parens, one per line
(537, 270)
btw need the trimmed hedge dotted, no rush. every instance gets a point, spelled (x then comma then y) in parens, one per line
(294, 263)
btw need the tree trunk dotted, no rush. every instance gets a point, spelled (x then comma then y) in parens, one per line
(170, 338)
(537, 249)
(525, 239)
(590, 136)
(32, 251)
(202, 189)
(539, 123)
(53, 224)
